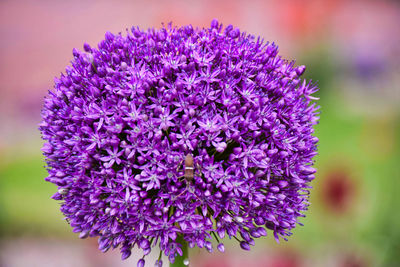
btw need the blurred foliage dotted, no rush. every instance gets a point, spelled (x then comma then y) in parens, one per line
(321, 63)
(25, 198)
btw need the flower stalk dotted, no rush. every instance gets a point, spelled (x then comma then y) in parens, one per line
(181, 261)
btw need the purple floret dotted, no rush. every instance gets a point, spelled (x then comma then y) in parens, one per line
(123, 116)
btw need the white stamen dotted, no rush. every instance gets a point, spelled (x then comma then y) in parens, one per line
(239, 219)
(63, 191)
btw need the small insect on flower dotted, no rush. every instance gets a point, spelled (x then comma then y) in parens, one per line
(189, 172)
(188, 168)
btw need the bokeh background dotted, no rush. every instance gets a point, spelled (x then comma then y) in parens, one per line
(351, 48)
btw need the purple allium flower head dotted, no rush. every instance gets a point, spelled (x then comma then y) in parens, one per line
(121, 121)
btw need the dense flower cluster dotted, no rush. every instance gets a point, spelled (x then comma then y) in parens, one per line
(120, 122)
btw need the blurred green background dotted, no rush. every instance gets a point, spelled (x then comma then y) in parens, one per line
(351, 48)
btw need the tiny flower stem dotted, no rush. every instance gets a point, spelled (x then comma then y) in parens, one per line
(181, 260)
(216, 237)
(94, 67)
(237, 239)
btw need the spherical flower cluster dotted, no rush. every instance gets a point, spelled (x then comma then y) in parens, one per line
(197, 133)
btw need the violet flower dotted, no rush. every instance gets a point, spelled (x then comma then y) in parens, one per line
(123, 116)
